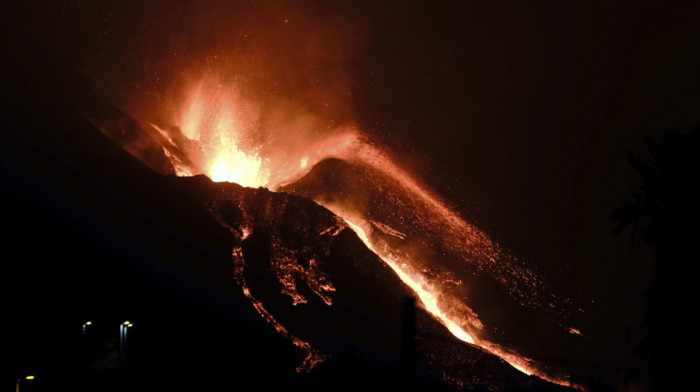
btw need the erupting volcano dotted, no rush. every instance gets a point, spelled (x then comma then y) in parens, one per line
(434, 252)
(296, 175)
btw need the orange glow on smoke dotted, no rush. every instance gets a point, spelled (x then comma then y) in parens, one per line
(215, 118)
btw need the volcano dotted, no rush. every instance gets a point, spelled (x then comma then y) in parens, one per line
(227, 284)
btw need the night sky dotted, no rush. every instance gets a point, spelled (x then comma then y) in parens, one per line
(519, 114)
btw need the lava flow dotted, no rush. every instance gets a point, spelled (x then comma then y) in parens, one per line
(425, 243)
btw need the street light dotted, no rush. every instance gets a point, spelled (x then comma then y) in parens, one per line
(85, 325)
(19, 380)
(123, 328)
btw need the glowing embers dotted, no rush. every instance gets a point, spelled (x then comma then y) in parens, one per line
(288, 269)
(313, 356)
(429, 295)
(222, 125)
(242, 214)
(456, 317)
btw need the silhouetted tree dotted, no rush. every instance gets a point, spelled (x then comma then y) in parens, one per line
(665, 213)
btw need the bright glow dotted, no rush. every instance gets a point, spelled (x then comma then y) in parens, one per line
(218, 122)
(417, 283)
(429, 297)
(88, 323)
(461, 335)
(126, 322)
(574, 331)
(29, 377)
(232, 165)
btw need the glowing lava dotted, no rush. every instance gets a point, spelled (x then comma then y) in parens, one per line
(429, 295)
(233, 165)
(216, 139)
(421, 286)
(216, 135)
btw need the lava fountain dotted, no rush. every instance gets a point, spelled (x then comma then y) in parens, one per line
(213, 138)
(220, 135)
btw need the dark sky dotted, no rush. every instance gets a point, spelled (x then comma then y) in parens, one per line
(521, 114)
(533, 108)
(526, 112)
(549, 100)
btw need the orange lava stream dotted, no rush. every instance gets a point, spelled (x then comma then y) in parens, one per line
(313, 356)
(421, 286)
(429, 296)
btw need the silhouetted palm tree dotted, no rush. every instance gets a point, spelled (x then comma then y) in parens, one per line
(665, 213)
(646, 212)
